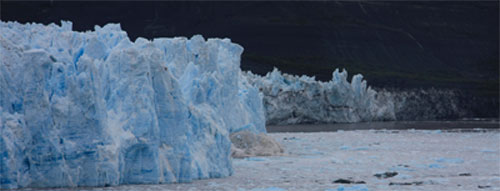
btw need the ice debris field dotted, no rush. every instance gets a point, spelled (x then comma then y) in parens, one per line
(96, 109)
(367, 160)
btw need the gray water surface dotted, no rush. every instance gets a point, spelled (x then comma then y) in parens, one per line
(459, 126)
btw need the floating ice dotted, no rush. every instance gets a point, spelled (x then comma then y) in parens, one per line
(248, 144)
(95, 109)
(350, 188)
(450, 160)
(269, 189)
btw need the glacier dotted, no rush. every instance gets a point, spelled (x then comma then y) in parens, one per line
(290, 99)
(96, 109)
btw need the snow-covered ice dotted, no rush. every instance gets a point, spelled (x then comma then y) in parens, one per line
(314, 160)
(94, 109)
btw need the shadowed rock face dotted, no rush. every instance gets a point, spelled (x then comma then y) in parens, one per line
(401, 45)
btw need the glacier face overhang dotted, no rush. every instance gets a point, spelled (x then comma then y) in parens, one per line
(95, 109)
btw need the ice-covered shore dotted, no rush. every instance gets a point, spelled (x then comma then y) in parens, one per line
(95, 109)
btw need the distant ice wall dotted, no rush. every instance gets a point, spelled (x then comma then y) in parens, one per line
(290, 99)
(94, 109)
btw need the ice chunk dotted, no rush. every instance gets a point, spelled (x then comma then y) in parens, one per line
(247, 144)
(95, 109)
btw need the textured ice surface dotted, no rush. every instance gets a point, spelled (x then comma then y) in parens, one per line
(248, 144)
(94, 109)
(291, 99)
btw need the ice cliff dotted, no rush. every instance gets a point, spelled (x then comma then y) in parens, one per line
(290, 99)
(95, 109)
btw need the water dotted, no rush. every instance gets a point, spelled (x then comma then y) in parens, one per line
(434, 153)
(468, 125)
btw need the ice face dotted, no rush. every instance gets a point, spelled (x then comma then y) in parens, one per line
(292, 99)
(94, 109)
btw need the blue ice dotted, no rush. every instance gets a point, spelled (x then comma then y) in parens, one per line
(95, 109)
(450, 160)
(269, 189)
(350, 188)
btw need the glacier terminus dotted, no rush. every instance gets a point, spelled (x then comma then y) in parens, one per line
(96, 109)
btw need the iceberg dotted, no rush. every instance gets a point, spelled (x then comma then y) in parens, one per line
(249, 144)
(96, 109)
(290, 99)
